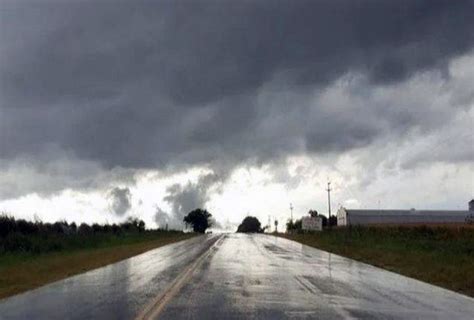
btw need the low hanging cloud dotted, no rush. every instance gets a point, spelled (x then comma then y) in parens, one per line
(120, 200)
(175, 85)
(46, 178)
(185, 198)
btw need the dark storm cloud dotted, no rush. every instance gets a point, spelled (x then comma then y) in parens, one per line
(120, 200)
(174, 83)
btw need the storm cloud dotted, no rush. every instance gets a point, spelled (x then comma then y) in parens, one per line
(173, 84)
(120, 200)
(185, 198)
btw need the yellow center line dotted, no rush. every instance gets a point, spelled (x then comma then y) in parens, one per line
(157, 305)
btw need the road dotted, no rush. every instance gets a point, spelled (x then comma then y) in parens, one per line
(238, 276)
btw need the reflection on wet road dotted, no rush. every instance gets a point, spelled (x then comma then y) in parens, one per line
(242, 277)
(117, 291)
(265, 277)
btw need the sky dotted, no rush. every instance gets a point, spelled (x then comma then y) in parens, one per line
(113, 109)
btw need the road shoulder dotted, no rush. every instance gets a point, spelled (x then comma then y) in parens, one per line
(421, 260)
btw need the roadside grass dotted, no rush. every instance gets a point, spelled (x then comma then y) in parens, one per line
(440, 255)
(22, 271)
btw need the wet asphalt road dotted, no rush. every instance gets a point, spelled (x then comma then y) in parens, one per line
(117, 291)
(237, 276)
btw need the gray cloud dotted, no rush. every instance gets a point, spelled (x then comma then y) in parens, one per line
(120, 200)
(52, 173)
(164, 220)
(181, 83)
(184, 198)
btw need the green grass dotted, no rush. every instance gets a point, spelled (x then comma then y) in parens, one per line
(24, 270)
(443, 256)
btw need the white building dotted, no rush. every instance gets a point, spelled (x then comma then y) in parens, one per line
(364, 216)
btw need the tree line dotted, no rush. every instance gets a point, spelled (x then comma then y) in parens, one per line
(20, 235)
(9, 225)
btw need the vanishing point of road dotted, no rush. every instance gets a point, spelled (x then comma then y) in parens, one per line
(238, 276)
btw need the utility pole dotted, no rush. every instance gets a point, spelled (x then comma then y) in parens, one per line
(329, 202)
(291, 209)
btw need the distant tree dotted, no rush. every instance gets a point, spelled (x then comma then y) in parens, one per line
(106, 228)
(57, 227)
(7, 225)
(294, 226)
(298, 224)
(313, 213)
(84, 229)
(141, 226)
(96, 227)
(250, 225)
(199, 219)
(332, 220)
(324, 220)
(73, 227)
(26, 227)
(133, 224)
(116, 228)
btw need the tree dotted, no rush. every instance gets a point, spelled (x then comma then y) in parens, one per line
(199, 219)
(294, 226)
(313, 213)
(84, 229)
(324, 220)
(250, 225)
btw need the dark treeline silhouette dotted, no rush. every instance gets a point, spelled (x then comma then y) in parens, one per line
(19, 235)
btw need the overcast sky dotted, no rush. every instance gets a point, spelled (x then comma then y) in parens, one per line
(110, 109)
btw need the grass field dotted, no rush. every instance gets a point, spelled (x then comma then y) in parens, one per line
(441, 255)
(21, 271)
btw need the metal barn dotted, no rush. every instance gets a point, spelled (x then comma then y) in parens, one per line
(366, 217)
